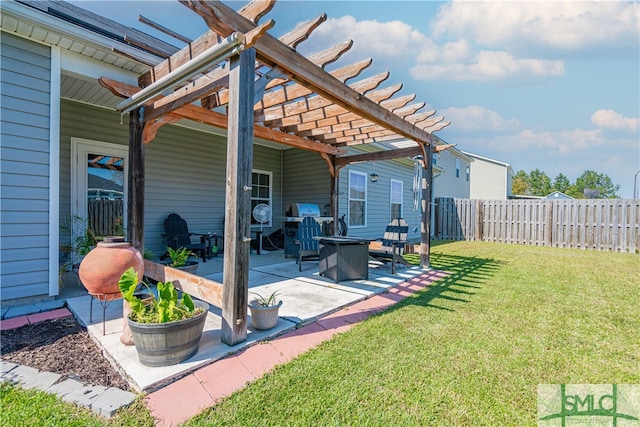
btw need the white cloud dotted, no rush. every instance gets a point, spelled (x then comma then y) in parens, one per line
(457, 60)
(609, 119)
(565, 142)
(508, 42)
(484, 66)
(528, 142)
(559, 25)
(474, 118)
(372, 38)
(570, 152)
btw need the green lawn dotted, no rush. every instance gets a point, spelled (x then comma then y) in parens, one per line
(469, 350)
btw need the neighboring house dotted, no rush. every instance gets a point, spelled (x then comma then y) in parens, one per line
(452, 174)
(56, 121)
(490, 179)
(368, 205)
(558, 195)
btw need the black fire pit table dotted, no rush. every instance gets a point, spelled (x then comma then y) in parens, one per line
(344, 258)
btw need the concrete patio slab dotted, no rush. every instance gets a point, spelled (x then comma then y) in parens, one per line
(306, 295)
(143, 378)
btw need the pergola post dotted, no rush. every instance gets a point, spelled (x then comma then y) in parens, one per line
(237, 231)
(135, 181)
(425, 229)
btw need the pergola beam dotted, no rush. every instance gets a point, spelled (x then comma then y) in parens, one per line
(387, 154)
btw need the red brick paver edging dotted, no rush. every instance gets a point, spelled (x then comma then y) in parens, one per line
(182, 399)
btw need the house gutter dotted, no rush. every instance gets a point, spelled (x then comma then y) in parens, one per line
(52, 23)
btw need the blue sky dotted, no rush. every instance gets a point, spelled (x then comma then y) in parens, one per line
(542, 85)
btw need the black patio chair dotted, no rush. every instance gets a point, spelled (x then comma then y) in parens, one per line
(177, 235)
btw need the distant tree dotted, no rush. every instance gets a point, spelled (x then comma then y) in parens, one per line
(520, 183)
(594, 185)
(561, 183)
(589, 185)
(540, 183)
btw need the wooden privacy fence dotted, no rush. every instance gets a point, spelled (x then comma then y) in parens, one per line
(596, 224)
(105, 216)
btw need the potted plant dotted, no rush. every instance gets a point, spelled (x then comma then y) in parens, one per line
(81, 241)
(166, 329)
(264, 311)
(180, 260)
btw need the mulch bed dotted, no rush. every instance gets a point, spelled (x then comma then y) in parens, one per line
(62, 346)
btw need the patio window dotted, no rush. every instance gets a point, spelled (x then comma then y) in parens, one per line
(261, 192)
(357, 199)
(396, 199)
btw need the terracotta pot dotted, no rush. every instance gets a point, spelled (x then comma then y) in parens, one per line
(100, 270)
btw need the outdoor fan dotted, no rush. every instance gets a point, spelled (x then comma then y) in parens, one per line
(262, 214)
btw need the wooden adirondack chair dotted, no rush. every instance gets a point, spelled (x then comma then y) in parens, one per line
(308, 246)
(392, 247)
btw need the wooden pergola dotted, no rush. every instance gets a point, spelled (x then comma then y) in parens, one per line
(272, 92)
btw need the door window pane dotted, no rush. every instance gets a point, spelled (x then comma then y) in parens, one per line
(105, 195)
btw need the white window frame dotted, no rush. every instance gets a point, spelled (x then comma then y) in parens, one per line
(391, 198)
(364, 177)
(268, 201)
(80, 148)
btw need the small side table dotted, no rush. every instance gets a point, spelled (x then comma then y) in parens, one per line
(344, 258)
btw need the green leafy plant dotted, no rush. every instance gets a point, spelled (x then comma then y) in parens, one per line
(167, 307)
(148, 254)
(269, 301)
(179, 256)
(78, 240)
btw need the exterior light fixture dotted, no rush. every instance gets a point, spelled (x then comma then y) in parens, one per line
(373, 176)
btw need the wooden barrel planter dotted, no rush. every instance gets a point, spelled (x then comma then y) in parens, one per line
(164, 344)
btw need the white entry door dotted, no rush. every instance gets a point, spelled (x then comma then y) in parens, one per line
(98, 185)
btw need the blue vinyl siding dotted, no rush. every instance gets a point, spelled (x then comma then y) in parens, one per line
(24, 168)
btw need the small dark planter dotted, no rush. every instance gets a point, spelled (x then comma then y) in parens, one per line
(189, 267)
(164, 344)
